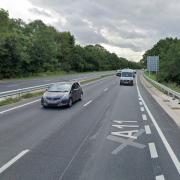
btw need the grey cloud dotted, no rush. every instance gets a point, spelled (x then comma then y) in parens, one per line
(138, 23)
(39, 12)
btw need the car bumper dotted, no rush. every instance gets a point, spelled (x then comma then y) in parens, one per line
(128, 82)
(60, 103)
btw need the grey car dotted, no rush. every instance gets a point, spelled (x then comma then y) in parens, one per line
(62, 94)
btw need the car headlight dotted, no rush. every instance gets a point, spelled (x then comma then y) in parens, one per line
(66, 96)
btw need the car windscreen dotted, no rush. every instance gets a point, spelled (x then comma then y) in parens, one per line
(59, 88)
(126, 74)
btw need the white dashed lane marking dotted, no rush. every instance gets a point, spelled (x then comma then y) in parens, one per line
(87, 103)
(144, 117)
(160, 177)
(153, 151)
(147, 129)
(142, 109)
(12, 161)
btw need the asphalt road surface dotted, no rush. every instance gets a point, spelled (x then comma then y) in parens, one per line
(9, 85)
(114, 133)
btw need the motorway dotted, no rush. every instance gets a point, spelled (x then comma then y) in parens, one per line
(8, 85)
(114, 133)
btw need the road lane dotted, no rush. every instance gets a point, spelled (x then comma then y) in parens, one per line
(106, 139)
(29, 125)
(9, 85)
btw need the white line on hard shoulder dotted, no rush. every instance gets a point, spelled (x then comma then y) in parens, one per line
(153, 151)
(12, 161)
(147, 129)
(17, 107)
(144, 117)
(163, 138)
(160, 177)
(87, 103)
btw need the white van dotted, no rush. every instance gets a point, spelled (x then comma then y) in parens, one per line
(127, 77)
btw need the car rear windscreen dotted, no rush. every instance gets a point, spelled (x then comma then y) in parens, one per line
(126, 74)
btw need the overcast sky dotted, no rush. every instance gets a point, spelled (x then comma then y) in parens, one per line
(126, 27)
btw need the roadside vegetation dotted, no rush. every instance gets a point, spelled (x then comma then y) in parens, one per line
(35, 48)
(171, 85)
(168, 51)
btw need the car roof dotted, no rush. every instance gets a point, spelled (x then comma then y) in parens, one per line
(127, 70)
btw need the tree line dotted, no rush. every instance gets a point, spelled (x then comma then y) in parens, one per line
(30, 48)
(168, 51)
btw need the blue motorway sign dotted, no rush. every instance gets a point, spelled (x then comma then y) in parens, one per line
(153, 63)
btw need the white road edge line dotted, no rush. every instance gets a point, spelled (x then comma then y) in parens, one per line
(17, 107)
(144, 117)
(87, 103)
(160, 177)
(163, 138)
(153, 151)
(142, 109)
(12, 161)
(147, 129)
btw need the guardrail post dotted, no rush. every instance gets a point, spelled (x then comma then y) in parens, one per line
(19, 95)
(173, 97)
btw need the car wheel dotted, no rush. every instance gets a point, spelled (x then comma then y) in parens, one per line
(70, 102)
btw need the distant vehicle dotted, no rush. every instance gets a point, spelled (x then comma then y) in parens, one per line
(127, 77)
(118, 73)
(62, 94)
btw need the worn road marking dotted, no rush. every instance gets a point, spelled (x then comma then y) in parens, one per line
(105, 89)
(173, 156)
(17, 107)
(142, 109)
(128, 134)
(12, 161)
(122, 126)
(120, 122)
(147, 129)
(126, 142)
(160, 177)
(140, 103)
(144, 117)
(153, 151)
(87, 103)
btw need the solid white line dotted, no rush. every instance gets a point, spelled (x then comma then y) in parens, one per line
(17, 107)
(153, 151)
(147, 129)
(163, 138)
(105, 89)
(12, 161)
(142, 109)
(140, 103)
(160, 177)
(87, 103)
(144, 117)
